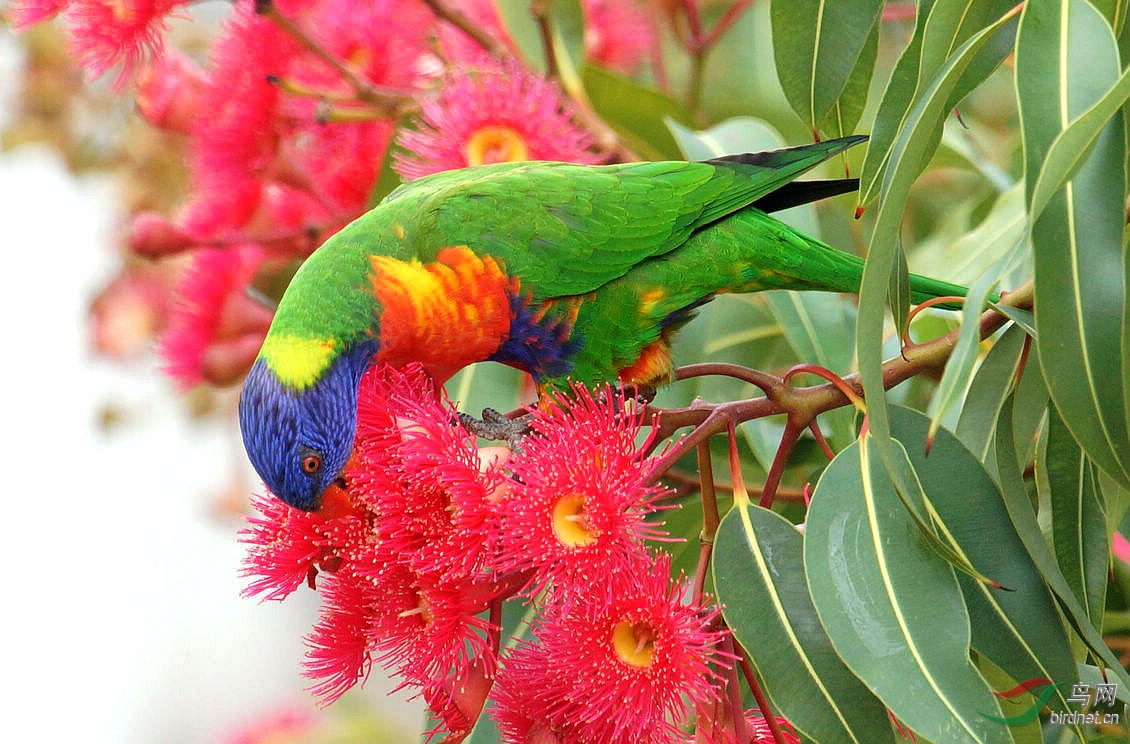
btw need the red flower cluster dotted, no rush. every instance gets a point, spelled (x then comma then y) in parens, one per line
(415, 557)
(290, 121)
(615, 668)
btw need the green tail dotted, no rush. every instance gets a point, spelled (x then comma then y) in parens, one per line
(751, 251)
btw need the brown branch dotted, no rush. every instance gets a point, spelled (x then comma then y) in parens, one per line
(768, 384)
(805, 404)
(539, 9)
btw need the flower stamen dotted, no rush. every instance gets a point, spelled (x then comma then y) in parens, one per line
(634, 643)
(496, 144)
(570, 523)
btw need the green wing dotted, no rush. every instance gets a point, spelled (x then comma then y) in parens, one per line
(566, 229)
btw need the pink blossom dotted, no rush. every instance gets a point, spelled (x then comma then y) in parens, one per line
(577, 511)
(215, 329)
(613, 670)
(24, 13)
(618, 33)
(169, 92)
(501, 113)
(126, 32)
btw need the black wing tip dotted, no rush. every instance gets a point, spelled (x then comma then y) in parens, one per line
(771, 158)
(795, 193)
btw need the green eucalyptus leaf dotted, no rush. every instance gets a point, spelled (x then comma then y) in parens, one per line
(1114, 11)
(1017, 627)
(943, 30)
(979, 250)
(1067, 67)
(1023, 517)
(841, 120)
(1072, 504)
(818, 48)
(959, 367)
(989, 389)
(891, 605)
(910, 148)
(759, 579)
(638, 114)
(1072, 146)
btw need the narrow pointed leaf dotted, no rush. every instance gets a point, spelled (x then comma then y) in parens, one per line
(915, 140)
(817, 46)
(988, 391)
(1069, 486)
(1029, 410)
(959, 367)
(1023, 518)
(1067, 60)
(1072, 146)
(759, 579)
(942, 28)
(848, 109)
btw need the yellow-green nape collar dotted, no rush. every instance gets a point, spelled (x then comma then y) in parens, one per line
(298, 361)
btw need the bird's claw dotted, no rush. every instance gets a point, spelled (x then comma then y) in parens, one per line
(495, 426)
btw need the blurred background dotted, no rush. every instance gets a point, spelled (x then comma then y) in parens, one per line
(123, 620)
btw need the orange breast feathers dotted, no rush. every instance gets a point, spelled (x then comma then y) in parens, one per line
(445, 314)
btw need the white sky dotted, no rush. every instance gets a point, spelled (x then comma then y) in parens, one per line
(121, 618)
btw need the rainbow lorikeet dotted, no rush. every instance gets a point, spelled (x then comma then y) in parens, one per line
(562, 270)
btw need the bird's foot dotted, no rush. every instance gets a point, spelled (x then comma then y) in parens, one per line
(636, 393)
(497, 427)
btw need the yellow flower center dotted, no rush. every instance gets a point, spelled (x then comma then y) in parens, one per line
(569, 522)
(360, 57)
(124, 12)
(634, 643)
(495, 144)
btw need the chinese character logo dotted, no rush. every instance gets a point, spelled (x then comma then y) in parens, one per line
(1105, 695)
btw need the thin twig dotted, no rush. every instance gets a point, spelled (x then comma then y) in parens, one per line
(768, 384)
(710, 519)
(759, 695)
(539, 9)
(777, 468)
(733, 689)
(728, 19)
(394, 105)
(445, 11)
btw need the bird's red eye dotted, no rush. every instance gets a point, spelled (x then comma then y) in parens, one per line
(311, 464)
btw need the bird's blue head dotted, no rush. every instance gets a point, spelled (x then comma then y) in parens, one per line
(300, 440)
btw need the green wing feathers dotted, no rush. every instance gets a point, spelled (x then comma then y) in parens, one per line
(568, 229)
